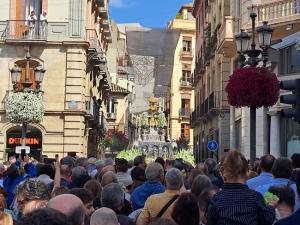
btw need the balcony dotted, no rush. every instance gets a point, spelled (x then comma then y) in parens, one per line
(277, 12)
(111, 116)
(226, 43)
(25, 30)
(93, 39)
(103, 12)
(184, 113)
(186, 83)
(186, 54)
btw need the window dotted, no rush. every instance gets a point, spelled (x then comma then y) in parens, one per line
(185, 131)
(290, 60)
(111, 107)
(185, 103)
(186, 75)
(238, 134)
(30, 76)
(187, 44)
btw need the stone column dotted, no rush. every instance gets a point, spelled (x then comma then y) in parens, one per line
(275, 134)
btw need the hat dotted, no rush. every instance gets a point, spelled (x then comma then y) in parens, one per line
(68, 160)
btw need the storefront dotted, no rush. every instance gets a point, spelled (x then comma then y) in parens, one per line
(33, 140)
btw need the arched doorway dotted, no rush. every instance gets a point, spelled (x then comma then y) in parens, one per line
(34, 140)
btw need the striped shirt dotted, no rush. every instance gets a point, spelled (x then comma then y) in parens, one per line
(236, 204)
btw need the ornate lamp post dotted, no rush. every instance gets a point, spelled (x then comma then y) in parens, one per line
(252, 57)
(26, 85)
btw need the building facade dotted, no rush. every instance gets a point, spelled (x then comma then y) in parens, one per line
(211, 116)
(71, 46)
(180, 99)
(274, 134)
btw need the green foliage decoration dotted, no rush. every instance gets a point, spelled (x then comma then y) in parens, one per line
(186, 155)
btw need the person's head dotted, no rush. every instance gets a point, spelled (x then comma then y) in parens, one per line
(65, 171)
(47, 169)
(68, 160)
(140, 161)
(86, 197)
(12, 159)
(186, 210)
(79, 176)
(286, 197)
(161, 161)
(59, 191)
(109, 162)
(113, 201)
(43, 216)
(298, 183)
(234, 169)
(266, 163)
(104, 170)
(204, 200)
(108, 178)
(210, 165)
(174, 179)
(71, 206)
(44, 13)
(121, 165)
(12, 172)
(194, 173)
(162, 221)
(296, 160)
(32, 13)
(30, 190)
(94, 187)
(202, 167)
(179, 164)
(138, 174)
(200, 183)
(169, 164)
(104, 216)
(100, 164)
(154, 172)
(83, 162)
(282, 168)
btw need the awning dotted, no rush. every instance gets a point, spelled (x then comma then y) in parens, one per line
(287, 41)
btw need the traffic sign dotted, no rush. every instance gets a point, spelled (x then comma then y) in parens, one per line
(212, 146)
(20, 148)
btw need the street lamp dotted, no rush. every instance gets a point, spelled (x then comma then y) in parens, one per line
(242, 42)
(39, 73)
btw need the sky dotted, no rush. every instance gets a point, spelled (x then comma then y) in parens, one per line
(149, 13)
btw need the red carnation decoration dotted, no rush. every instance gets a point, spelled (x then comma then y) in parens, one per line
(253, 87)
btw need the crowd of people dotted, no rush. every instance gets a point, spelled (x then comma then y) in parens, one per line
(90, 191)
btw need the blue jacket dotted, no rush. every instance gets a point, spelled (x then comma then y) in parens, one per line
(141, 193)
(10, 184)
(262, 179)
(290, 220)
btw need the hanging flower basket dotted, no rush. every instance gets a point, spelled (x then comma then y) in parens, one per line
(24, 107)
(253, 87)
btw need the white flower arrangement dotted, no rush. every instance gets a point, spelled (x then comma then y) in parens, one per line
(24, 107)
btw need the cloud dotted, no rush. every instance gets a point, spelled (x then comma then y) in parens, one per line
(120, 3)
(117, 3)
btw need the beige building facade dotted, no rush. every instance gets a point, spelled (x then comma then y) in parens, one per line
(71, 47)
(210, 119)
(180, 99)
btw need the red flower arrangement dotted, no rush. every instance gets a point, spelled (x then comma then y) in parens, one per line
(116, 140)
(253, 87)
